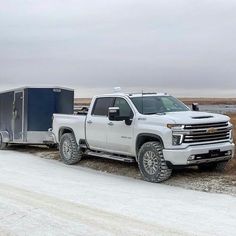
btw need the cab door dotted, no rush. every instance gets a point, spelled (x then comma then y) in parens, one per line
(97, 124)
(119, 134)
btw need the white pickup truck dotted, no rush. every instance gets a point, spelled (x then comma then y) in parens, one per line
(156, 130)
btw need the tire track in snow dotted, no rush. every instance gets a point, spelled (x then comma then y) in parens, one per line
(96, 219)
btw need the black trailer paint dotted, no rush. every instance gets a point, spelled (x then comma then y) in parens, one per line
(26, 114)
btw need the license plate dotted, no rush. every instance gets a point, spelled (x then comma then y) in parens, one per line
(214, 153)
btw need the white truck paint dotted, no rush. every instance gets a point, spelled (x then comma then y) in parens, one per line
(184, 137)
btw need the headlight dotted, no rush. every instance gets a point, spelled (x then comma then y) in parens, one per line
(231, 135)
(177, 136)
(175, 126)
(231, 132)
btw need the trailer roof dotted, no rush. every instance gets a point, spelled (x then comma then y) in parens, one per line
(37, 87)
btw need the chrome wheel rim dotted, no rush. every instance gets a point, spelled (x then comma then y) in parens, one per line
(67, 149)
(150, 162)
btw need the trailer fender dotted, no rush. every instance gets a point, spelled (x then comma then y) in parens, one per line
(5, 136)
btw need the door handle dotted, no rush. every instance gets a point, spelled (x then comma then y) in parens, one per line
(89, 122)
(110, 123)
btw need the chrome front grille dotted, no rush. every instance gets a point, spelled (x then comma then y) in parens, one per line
(209, 132)
(206, 126)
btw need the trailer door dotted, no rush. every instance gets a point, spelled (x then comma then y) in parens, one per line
(18, 116)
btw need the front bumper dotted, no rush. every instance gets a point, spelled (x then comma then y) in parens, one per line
(182, 156)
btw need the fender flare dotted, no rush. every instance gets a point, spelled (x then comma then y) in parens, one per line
(63, 128)
(149, 135)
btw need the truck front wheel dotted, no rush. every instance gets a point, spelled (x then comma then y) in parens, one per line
(69, 151)
(152, 164)
(2, 144)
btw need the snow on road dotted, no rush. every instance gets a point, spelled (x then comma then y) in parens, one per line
(46, 197)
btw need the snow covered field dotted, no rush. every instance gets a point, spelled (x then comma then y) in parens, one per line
(46, 197)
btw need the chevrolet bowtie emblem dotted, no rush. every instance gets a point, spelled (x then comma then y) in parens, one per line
(211, 130)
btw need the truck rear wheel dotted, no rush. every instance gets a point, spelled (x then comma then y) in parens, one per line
(2, 144)
(69, 151)
(152, 164)
(218, 166)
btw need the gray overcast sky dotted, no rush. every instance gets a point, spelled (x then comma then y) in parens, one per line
(185, 47)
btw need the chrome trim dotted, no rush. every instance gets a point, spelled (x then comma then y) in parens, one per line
(224, 158)
(213, 132)
(206, 125)
(211, 137)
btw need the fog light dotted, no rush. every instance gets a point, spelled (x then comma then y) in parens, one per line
(229, 153)
(191, 158)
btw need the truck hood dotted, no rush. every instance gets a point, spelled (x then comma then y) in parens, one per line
(194, 117)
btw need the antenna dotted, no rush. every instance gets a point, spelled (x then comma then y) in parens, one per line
(142, 101)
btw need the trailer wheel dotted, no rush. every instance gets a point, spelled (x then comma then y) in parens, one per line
(152, 164)
(69, 151)
(2, 144)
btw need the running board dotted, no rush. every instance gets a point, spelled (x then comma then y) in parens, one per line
(110, 156)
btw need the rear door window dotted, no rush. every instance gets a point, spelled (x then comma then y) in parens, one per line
(101, 106)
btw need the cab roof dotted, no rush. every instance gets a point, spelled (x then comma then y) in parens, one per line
(131, 95)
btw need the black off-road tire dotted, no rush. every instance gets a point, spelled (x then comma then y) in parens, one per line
(152, 164)
(69, 151)
(216, 166)
(2, 144)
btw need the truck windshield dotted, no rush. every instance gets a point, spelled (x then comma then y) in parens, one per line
(148, 105)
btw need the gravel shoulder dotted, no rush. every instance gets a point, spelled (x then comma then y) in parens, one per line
(188, 178)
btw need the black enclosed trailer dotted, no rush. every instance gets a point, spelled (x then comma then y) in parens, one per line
(26, 114)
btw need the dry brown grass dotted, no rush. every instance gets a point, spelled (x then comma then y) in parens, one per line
(188, 101)
(82, 101)
(209, 101)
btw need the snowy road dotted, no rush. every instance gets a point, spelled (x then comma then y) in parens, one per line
(46, 197)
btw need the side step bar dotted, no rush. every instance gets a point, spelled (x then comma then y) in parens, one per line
(110, 156)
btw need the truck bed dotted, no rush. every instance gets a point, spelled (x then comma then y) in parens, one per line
(75, 123)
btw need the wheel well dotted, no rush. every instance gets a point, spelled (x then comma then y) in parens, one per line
(144, 138)
(65, 130)
(5, 136)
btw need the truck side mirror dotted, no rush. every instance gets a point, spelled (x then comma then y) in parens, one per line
(114, 113)
(195, 106)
